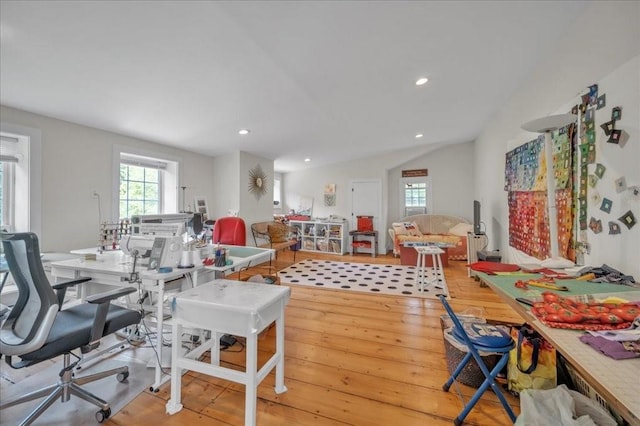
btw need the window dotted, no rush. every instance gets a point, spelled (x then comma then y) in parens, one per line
(277, 191)
(7, 187)
(14, 179)
(415, 196)
(146, 185)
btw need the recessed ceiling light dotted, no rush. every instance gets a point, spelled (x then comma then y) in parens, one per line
(306, 160)
(419, 135)
(421, 81)
(243, 131)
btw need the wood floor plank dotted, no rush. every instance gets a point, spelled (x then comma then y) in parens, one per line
(350, 359)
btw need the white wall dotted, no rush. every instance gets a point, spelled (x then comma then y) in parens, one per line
(450, 166)
(78, 159)
(584, 57)
(451, 172)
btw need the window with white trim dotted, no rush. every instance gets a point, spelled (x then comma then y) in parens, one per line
(415, 196)
(14, 180)
(277, 190)
(146, 185)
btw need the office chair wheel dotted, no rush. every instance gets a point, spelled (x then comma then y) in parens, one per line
(445, 387)
(121, 377)
(103, 415)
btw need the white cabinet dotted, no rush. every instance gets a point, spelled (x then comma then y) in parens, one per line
(322, 236)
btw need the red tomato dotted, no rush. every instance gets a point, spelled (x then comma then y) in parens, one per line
(553, 308)
(550, 297)
(627, 313)
(610, 319)
(599, 308)
(539, 305)
(553, 318)
(570, 316)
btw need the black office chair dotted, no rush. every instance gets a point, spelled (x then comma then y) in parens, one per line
(480, 338)
(38, 328)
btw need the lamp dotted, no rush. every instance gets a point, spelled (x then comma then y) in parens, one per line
(547, 125)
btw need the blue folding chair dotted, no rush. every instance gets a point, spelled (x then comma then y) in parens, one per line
(480, 338)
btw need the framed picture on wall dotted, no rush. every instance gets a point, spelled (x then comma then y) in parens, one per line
(200, 204)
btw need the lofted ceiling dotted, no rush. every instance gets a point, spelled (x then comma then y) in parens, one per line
(329, 80)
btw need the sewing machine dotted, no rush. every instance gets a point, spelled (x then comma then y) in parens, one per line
(153, 251)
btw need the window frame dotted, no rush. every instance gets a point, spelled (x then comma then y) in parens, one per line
(429, 194)
(27, 190)
(170, 177)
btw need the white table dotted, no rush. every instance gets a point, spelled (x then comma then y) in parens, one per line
(238, 308)
(113, 268)
(241, 257)
(423, 277)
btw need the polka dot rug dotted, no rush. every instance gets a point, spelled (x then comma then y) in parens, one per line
(396, 280)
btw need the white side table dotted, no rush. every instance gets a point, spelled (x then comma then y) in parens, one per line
(237, 308)
(423, 277)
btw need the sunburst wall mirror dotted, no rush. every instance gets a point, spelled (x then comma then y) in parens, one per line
(257, 181)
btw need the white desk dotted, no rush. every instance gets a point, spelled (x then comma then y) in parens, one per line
(241, 257)
(113, 268)
(238, 308)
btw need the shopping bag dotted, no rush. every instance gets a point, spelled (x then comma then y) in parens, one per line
(532, 363)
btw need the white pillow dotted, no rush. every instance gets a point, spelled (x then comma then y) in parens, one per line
(461, 229)
(398, 228)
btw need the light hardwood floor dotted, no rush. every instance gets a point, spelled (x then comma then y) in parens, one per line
(350, 359)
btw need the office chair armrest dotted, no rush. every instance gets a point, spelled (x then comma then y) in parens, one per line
(65, 284)
(102, 300)
(61, 288)
(110, 295)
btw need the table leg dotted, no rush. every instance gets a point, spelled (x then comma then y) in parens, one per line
(420, 272)
(174, 404)
(160, 324)
(251, 385)
(280, 387)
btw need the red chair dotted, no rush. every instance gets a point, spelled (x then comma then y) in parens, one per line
(230, 230)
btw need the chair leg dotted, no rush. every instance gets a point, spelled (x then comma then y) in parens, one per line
(67, 386)
(457, 371)
(488, 382)
(88, 396)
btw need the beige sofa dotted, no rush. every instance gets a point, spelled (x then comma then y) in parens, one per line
(432, 228)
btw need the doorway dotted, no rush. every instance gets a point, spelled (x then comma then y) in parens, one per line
(366, 200)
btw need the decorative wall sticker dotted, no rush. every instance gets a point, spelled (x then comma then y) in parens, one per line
(588, 116)
(594, 197)
(330, 194)
(624, 137)
(595, 225)
(593, 181)
(602, 101)
(600, 169)
(634, 193)
(257, 181)
(621, 184)
(614, 228)
(593, 94)
(608, 127)
(616, 113)
(628, 219)
(606, 205)
(614, 136)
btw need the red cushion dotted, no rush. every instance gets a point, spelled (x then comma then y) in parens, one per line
(230, 230)
(489, 267)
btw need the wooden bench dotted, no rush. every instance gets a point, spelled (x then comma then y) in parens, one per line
(276, 236)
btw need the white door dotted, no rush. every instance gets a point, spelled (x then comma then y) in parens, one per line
(366, 200)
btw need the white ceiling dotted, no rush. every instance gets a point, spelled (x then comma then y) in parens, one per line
(329, 80)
